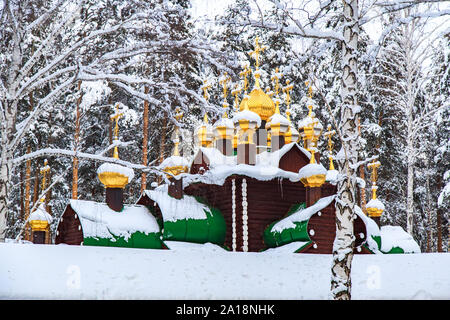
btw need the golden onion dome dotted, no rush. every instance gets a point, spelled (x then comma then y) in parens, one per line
(260, 103)
(114, 175)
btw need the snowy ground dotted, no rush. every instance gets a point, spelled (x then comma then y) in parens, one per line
(30, 271)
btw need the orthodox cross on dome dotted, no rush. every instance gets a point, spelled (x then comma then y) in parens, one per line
(329, 134)
(178, 117)
(276, 80)
(257, 51)
(287, 91)
(115, 117)
(44, 170)
(374, 165)
(310, 94)
(313, 148)
(205, 88)
(224, 82)
(237, 90)
(244, 74)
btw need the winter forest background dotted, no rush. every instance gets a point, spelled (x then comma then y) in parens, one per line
(65, 64)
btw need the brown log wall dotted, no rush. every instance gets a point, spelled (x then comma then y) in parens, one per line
(69, 228)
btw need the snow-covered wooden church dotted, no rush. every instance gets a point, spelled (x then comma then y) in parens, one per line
(256, 183)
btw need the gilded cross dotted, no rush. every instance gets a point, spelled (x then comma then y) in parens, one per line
(257, 52)
(205, 88)
(329, 134)
(244, 74)
(224, 83)
(44, 170)
(235, 93)
(178, 116)
(115, 117)
(287, 90)
(276, 79)
(310, 94)
(374, 166)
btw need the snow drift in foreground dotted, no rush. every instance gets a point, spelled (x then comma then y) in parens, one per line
(30, 271)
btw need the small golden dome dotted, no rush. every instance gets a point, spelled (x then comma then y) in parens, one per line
(260, 103)
(114, 175)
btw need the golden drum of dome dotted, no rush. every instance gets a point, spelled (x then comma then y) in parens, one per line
(314, 181)
(374, 212)
(38, 225)
(260, 103)
(175, 170)
(113, 179)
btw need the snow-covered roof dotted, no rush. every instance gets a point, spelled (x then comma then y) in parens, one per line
(266, 167)
(40, 214)
(372, 229)
(113, 167)
(99, 221)
(302, 214)
(395, 236)
(177, 209)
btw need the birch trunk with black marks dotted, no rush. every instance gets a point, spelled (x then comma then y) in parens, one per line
(347, 189)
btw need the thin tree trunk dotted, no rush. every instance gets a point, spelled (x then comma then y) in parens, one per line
(36, 184)
(410, 191)
(110, 130)
(429, 213)
(22, 195)
(28, 176)
(362, 193)
(439, 230)
(145, 142)
(439, 222)
(77, 141)
(344, 242)
(163, 143)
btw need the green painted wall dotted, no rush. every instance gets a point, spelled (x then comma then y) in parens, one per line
(136, 240)
(212, 229)
(298, 233)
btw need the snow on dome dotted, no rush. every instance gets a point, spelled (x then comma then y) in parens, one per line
(224, 122)
(40, 214)
(375, 203)
(247, 115)
(113, 167)
(311, 169)
(99, 221)
(302, 214)
(395, 236)
(174, 161)
(332, 176)
(277, 118)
